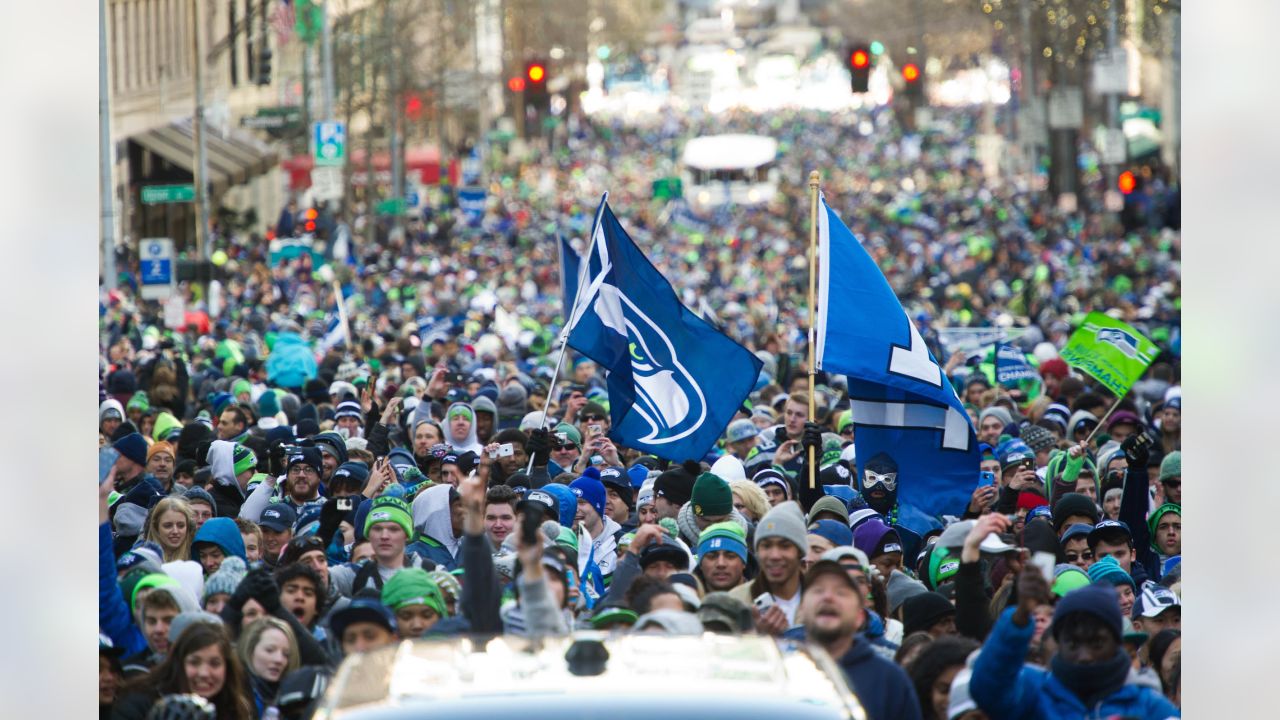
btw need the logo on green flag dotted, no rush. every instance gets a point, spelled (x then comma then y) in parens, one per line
(1110, 351)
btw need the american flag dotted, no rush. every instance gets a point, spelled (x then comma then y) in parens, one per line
(282, 20)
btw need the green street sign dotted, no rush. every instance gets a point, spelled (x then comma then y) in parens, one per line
(156, 194)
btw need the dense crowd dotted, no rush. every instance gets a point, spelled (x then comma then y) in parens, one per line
(276, 497)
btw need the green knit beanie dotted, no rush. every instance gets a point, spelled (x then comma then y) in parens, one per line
(241, 386)
(243, 458)
(139, 401)
(1154, 521)
(413, 586)
(1171, 466)
(387, 508)
(165, 425)
(711, 496)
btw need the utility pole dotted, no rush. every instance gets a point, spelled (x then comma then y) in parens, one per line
(518, 14)
(326, 60)
(1028, 107)
(198, 149)
(393, 108)
(1113, 101)
(106, 157)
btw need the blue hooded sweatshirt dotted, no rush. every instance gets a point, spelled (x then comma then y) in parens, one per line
(566, 501)
(222, 532)
(1006, 688)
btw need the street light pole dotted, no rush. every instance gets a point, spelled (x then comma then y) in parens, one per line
(198, 149)
(106, 157)
(326, 50)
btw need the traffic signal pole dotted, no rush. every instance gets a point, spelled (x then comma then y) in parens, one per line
(106, 158)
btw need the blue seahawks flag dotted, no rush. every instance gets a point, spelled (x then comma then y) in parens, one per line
(1012, 366)
(902, 403)
(674, 381)
(570, 271)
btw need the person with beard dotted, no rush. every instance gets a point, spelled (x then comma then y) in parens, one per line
(831, 611)
(1086, 677)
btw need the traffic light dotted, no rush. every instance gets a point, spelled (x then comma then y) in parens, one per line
(264, 65)
(535, 84)
(913, 81)
(859, 68)
(516, 84)
(1127, 182)
(309, 220)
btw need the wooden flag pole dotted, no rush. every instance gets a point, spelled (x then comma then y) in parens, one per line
(814, 183)
(1102, 421)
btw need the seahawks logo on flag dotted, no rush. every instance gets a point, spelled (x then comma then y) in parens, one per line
(660, 358)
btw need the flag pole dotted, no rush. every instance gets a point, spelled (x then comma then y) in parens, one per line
(1102, 421)
(568, 325)
(814, 183)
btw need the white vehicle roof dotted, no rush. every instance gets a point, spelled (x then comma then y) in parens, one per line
(729, 152)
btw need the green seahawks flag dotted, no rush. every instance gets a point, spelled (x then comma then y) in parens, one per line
(1111, 352)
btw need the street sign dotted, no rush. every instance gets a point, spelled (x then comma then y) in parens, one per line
(273, 118)
(326, 183)
(155, 268)
(1066, 108)
(155, 194)
(175, 312)
(1111, 72)
(1112, 145)
(329, 143)
(411, 198)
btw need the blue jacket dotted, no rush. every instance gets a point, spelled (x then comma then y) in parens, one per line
(114, 619)
(883, 688)
(434, 551)
(1006, 688)
(290, 364)
(222, 532)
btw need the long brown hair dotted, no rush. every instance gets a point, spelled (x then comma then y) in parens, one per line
(170, 676)
(152, 530)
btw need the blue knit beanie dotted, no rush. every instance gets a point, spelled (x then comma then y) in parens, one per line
(132, 446)
(589, 489)
(1097, 600)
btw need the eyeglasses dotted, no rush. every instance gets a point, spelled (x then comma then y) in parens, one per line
(889, 480)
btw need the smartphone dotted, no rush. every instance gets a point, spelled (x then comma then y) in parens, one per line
(345, 504)
(506, 450)
(107, 457)
(594, 429)
(1045, 562)
(529, 523)
(457, 378)
(986, 477)
(763, 602)
(562, 438)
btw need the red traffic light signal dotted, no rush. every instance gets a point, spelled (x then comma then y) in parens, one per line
(860, 58)
(1127, 182)
(910, 72)
(516, 84)
(536, 73)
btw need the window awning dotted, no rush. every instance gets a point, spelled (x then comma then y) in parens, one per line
(230, 159)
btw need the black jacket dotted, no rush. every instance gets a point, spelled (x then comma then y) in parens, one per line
(883, 688)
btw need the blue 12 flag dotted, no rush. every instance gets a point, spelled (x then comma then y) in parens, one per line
(903, 405)
(674, 381)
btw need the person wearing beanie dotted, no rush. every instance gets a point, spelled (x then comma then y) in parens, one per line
(1171, 477)
(416, 601)
(304, 467)
(133, 460)
(780, 545)
(1041, 442)
(566, 447)
(740, 438)
(673, 488)
(646, 510)
(929, 612)
(722, 557)
(991, 422)
(1086, 677)
(268, 411)
(160, 461)
(1165, 525)
(166, 427)
(388, 526)
(881, 544)
(333, 452)
(1073, 508)
(774, 484)
(110, 415)
(604, 531)
(710, 502)
(348, 418)
(219, 538)
(827, 535)
(830, 507)
(219, 586)
(879, 483)
(512, 404)
(833, 612)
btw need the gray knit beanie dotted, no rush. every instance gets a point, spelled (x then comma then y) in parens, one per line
(785, 520)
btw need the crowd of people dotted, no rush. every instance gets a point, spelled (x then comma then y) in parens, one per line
(276, 497)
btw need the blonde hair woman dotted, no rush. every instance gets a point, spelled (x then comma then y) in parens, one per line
(269, 651)
(749, 499)
(172, 526)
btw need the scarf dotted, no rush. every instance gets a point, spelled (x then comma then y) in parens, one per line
(1093, 682)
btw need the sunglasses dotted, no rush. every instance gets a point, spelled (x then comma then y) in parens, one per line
(1175, 484)
(1074, 557)
(889, 480)
(847, 431)
(593, 418)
